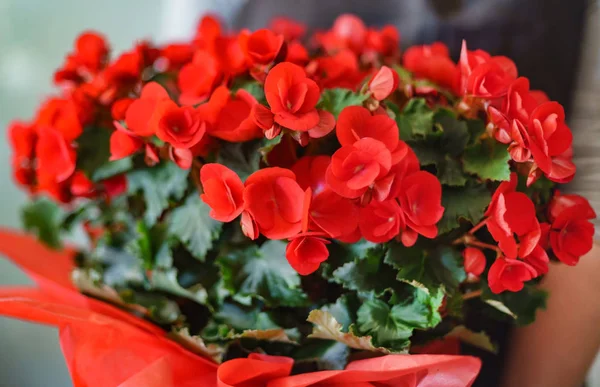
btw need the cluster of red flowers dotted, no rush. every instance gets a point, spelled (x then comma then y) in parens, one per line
(371, 187)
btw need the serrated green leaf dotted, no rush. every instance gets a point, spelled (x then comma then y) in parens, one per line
(158, 185)
(455, 133)
(166, 280)
(449, 172)
(435, 269)
(112, 168)
(476, 339)
(392, 327)
(93, 149)
(522, 305)
(343, 310)
(192, 225)
(415, 120)
(366, 274)
(468, 202)
(197, 345)
(335, 100)
(263, 273)
(141, 246)
(488, 160)
(476, 130)
(43, 217)
(241, 157)
(251, 86)
(328, 355)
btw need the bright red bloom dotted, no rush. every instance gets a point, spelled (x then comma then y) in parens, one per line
(22, 137)
(197, 79)
(474, 260)
(383, 83)
(306, 252)
(81, 186)
(119, 108)
(115, 186)
(292, 97)
(354, 168)
(62, 115)
(571, 232)
(262, 46)
(296, 53)
(511, 213)
(338, 70)
(55, 156)
(380, 222)
(289, 28)
(385, 42)
(223, 192)
(123, 144)
(126, 69)
(141, 111)
(348, 31)
(230, 116)
(433, 63)
(538, 259)
(491, 79)
(421, 200)
(275, 200)
(88, 58)
(509, 274)
(177, 55)
(519, 103)
(183, 157)
(181, 127)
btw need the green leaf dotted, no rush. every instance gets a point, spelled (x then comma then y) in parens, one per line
(392, 327)
(367, 274)
(43, 217)
(488, 160)
(433, 269)
(166, 280)
(476, 339)
(343, 310)
(197, 345)
(335, 100)
(476, 130)
(141, 245)
(328, 355)
(416, 120)
(450, 172)
(251, 86)
(158, 185)
(468, 202)
(522, 305)
(192, 225)
(112, 168)
(263, 273)
(326, 327)
(455, 133)
(93, 149)
(241, 157)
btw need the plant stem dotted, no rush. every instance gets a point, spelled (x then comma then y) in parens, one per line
(478, 226)
(473, 294)
(482, 245)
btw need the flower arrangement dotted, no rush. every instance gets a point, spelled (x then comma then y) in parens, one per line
(286, 206)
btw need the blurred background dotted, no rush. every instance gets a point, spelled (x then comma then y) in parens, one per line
(555, 43)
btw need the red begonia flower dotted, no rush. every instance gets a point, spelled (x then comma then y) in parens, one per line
(474, 260)
(249, 226)
(123, 144)
(91, 50)
(177, 55)
(492, 78)
(22, 137)
(115, 186)
(181, 127)
(356, 122)
(292, 97)
(81, 186)
(348, 31)
(432, 62)
(119, 108)
(519, 103)
(230, 116)
(125, 70)
(420, 197)
(197, 79)
(275, 200)
(338, 70)
(139, 115)
(62, 115)
(380, 222)
(223, 192)
(262, 46)
(55, 156)
(571, 232)
(354, 168)
(385, 42)
(305, 252)
(519, 147)
(538, 259)
(183, 157)
(509, 274)
(289, 28)
(384, 83)
(296, 53)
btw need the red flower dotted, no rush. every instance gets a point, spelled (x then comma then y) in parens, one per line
(511, 213)
(140, 112)
(296, 53)
(421, 200)
(223, 192)
(383, 83)
(88, 58)
(509, 274)
(474, 261)
(181, 127)
(338, 70)
(62, 115)
(123, 143)
(348, 31)
(385, 42)
(538, 259)
(197, 79)
(230, 116)
(275, 200)
(55, 157)
(289, 28)
(571, 232)
(354, 168)
(119, 108)
(22, 137)
(292, 97)
(380, 222)
(262, 46)
(306, 251)
(126, 69)
(484, 76)
(184, 158)
(177, 55)
(519, 103)
(115, 186)
(81, 186)
(356, 122)
(433, 63)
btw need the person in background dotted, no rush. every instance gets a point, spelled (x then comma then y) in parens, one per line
(545, 39)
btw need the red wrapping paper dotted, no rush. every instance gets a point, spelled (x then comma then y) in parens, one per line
(105, 346)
